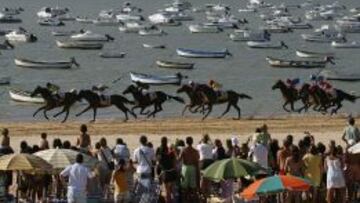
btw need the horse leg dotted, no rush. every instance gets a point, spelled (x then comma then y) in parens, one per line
(142, 111)
(284, 106)
(39, 109)
(226, 110)
(94, 115)
(334, 111)
(83, 111)
(61, 112)
(66, 115)
(153, 113)
(187, 106)
(238, 110)
(209, 111)
(45, 115)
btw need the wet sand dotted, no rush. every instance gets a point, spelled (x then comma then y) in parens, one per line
(324, 128)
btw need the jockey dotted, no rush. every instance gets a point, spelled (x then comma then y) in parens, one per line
(292, 83)
(215, 86)
(142, 87)
(100, 90)
(328, 88)
(73, 91)
(54, 90)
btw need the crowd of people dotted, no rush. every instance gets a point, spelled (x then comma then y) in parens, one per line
(172, 172)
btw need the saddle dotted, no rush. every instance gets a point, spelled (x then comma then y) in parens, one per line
(151, 95)
(221, 95)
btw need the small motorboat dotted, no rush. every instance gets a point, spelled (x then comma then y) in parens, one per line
(246, 35)
(156, 80)
(9, 19)
(324, 38)
(349, 45)
(6, 45)
(276, 29)
(91, 37)
(201, 28)
(107, 22)
(112, 54)
(12, 11)
(79, 45)
(174, 65)
(5, 80)
(20, 36)
(334, 75)
(283, 63)
(62, 33)
(132, 27)
(151, 32)
(26, 63)
(49, 12)
(312, 54)
(24, 96)
(50, 22)
(154, 46)
(267, 45)
(129, 17)
(192, 53)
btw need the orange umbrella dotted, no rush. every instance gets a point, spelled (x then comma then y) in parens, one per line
(276, 184)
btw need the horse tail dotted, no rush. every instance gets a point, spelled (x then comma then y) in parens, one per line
(176, 98)
(243, 96)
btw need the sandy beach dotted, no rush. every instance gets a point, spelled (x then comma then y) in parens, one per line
(324, 128)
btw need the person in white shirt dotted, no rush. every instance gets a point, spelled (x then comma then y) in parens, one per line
(205, 149)
(121, 151)
(259, 154)
(144, 156)
(78, 179)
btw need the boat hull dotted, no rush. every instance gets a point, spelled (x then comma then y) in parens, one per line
(174, 65)
(42, 64)
(155, 80)
(24, 96)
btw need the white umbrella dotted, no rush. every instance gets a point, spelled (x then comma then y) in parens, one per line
(355, 149)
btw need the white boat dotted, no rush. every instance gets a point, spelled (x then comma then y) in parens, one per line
(48, 12)
(174, 65)
(353, 44)
(312, 54)
(79, 45)
(151, 32)
(334, 75)
(246, 35)
(84, 20)
(247, 10)
(201, 28)
(20, 36)
(155, 79)
(26, 63)
(154, 46)
(9, 19)
(160, 18)
(181, 16)
(276, 29)
(12, 11)
(132, 27)
(192, 53)
(129, 17)
(90, 36)
(325, 38)
(112, 54)
(50, 22)
(5, 80)
(267, 45)
(24, 96)
(107, 22)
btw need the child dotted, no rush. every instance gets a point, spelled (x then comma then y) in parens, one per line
(119, 180)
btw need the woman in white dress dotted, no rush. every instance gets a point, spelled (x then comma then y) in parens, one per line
(335, 181)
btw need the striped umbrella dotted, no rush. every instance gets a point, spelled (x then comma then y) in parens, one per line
(276, 184)
(232, 168)
(61, 158)
(23, 162)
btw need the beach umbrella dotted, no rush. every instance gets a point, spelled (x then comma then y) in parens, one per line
(275, 184)
(232, 168)
(23, 162)
(61, 158)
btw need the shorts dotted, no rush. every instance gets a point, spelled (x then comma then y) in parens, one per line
(74, 196)
(121, 197)
(169, 176)
(189, 177)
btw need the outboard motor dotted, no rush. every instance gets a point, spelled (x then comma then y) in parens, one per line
(73, 61)
(284, 45)
(8, 44)
(33, 38)
(109, 38)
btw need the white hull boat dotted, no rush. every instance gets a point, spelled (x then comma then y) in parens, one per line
(199, 28)
(312, 54)
(266, 45)
(50, 22)
(26, 63)
(249, 36)
(156, 80)
(20, 36)
(84, 20)
(151, 32)
(154, 46)
(112, 54)
(90, 36)
(349, 45)
(191, 53)
(107, 22)
(129, 17)
(79, 45)
(24, 96)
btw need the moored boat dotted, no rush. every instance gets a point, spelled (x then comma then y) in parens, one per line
(156, 80)
(61, 33)
(50, 22)
(284, 63)
(312, 54)
(174, 65)
(266, 45)
(200, 28)
(5, 80)
(154, 46)
(334, 75)
(20, 36)
(112, 54)
(26, 63)
(79, 45)
(192, 53)
(349, 45)
(24, 96)
(90, 36)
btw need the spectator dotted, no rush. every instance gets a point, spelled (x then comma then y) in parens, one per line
(144, 156)
(44, 144)
(84, 141)
(351, 133)
(119, 180)
(121, 151)
(313, 170)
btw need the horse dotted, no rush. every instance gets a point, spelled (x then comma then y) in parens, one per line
(289, 94)
(144, 100)
(95, 102)
(212, 98)
(309, 98)
(51, 102)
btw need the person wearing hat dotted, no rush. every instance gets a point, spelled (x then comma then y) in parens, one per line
(100, 90)
(351, 134)
(54, 89)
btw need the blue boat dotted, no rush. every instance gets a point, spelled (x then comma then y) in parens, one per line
(191, 53)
